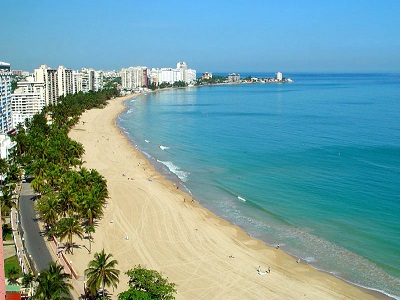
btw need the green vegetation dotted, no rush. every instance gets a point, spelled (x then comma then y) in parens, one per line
(216, 79)
(147, 284)
(112, 82)
(7, 232)
(71, 199)
(163, 85)
(101, 272)
(13, 274)
(52, 284)
(10, 265)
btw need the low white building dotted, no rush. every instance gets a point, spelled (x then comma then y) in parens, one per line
(279, 76)
(6, 145)
(171, 75)
(234, 78)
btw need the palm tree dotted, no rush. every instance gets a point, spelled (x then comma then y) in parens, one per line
(27, 280)
(51, 283)
(3, 169)
(90, 206)
(101, 272)
(12, 276)
(48, 208)
(66, 228)
(67, 201)
(89, 230)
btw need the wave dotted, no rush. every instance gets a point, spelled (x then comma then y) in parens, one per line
(147, 141)
(182, 175)
(242, 199)
(129, 111)
(163, 147)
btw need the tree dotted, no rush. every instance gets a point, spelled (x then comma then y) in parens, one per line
(101, 272)
(3, 168)
(89, 230)
(48, 208)
(151, 282)
(27, 280)
(13, 275)
(66, 228)
(51, 283)
(132, 294)
(6, 230)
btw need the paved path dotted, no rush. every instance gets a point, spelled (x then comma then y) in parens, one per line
(34, 242)
(31, 236)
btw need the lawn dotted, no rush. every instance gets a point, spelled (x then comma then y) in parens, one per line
(11, 262)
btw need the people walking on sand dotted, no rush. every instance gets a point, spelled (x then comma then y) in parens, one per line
(269, 270)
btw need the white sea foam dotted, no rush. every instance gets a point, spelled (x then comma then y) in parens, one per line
(175, 169)
(163, 147)
(242, 199)
(147, 141)
(129, 111)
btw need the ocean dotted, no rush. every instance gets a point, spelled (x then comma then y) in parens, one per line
(313, 165)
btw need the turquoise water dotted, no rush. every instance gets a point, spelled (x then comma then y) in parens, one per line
(313, 165)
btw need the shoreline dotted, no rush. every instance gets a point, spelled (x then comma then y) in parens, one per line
(233, 253)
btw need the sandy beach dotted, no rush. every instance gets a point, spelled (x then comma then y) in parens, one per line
(147, 222)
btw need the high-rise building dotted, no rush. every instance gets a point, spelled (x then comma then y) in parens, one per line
(134, 77)
(5, 97)
(5, 66)
(279, 76)
(27, 100)
(189, 75)
(65, 81)
(98, 80)
(50, 79)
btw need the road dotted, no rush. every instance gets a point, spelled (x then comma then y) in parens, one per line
(34, 242)
(31, 234)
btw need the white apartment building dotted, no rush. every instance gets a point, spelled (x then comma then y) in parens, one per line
(5, 97)
(190, 76)
(169, 75)
(279, 76)
(27, 100)
(6, 145)
(98, 80)
(233, 78)
(50, 79)
(85, 81)
(65, 81)
(134, 77)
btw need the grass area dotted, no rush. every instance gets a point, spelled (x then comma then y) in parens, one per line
(8, 237)
(11, 262)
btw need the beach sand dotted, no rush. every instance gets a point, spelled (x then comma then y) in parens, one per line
(147, 222)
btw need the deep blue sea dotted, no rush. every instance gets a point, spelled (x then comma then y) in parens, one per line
(312, 165)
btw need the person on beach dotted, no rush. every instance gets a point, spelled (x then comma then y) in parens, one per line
(269, 270)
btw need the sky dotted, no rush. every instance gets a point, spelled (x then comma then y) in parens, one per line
(210, 36)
